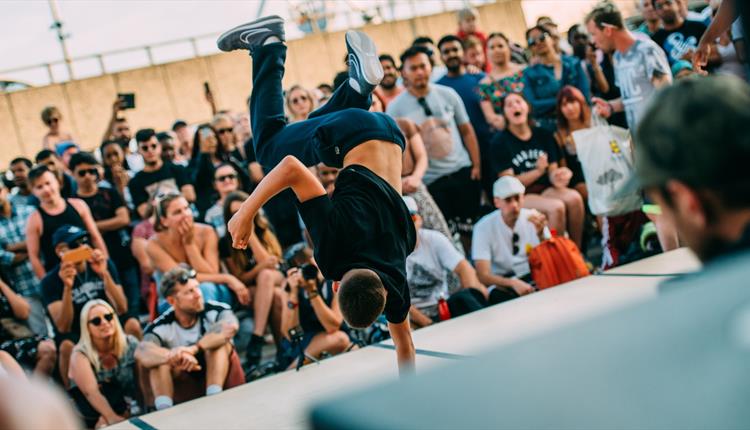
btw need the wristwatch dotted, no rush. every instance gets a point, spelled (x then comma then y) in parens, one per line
(291, 305)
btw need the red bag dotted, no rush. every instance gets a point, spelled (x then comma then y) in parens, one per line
(556, 261)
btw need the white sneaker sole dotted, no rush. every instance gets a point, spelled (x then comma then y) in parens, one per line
(250, 27)
(366, 54)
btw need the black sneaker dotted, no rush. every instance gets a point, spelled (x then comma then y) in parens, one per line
(254, 350)
(251, 35)
(364, 67)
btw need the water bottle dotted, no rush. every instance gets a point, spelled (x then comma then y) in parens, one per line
(444, 312)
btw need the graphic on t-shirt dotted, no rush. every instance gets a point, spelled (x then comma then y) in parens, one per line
(165, 186)
(425, 285)
(677, 45)
(525, 160)
(88, 290)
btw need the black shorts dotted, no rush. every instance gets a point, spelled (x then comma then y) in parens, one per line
(23, 350)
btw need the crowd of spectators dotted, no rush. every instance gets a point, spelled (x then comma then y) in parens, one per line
(119, 280)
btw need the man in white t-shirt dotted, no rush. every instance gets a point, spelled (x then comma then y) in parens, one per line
(428, 269)
(503, 237)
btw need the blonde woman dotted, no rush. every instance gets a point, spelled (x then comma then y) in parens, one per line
(52, 118)
(299, 103)
(102, 367)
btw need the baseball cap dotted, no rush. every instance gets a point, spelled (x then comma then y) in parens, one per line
(411, 204)
(67, 234)
(507, 186)
(61, 147)
(696, 131)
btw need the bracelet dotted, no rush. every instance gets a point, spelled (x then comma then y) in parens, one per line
(313, 294)
(291, 305)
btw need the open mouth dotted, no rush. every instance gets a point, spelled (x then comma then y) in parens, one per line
(517, 114)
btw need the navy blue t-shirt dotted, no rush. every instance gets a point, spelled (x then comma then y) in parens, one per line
(467, 87)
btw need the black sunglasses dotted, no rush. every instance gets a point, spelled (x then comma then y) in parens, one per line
(149, 147)
(97, 321)
(84, 172)
(533, 41)
(425, 107)
(300, 99)
(225, 177)
(186, 276)
(224, 130)
(516, 238)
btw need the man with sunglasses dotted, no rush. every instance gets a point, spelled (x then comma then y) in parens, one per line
(69, 285)
(156, 174)
(112, 219)
(190, 344)
(502, 238)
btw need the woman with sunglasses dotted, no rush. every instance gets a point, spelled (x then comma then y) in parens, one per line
(548, 75)
(52, 118)
(258, 267)
(179, 239)
(102, 367)
(504, 77)
(299, 103)
(224, 126)
(531, 154)
(226, 181)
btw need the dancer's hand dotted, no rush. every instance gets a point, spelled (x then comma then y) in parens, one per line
(241, 227)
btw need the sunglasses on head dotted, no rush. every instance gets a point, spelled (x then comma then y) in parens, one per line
(224, 130)
(533, 41)
(299, 99)
(223, 178)
(84, 172)
(150, 147)
(186, 276)
(97, 321)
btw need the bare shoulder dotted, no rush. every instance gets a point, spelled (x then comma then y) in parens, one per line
(78, 204)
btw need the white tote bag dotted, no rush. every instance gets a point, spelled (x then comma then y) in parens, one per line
(606, 155)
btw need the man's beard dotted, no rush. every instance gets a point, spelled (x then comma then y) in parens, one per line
(453, 66)
(388, 85)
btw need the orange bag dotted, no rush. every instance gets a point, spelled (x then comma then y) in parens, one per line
(556, 261)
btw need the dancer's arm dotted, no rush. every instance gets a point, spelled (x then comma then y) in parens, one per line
(289, 173)
(405, 353)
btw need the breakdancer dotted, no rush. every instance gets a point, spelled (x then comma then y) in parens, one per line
(363, 233)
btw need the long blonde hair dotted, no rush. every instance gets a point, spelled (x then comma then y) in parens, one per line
(86, 345)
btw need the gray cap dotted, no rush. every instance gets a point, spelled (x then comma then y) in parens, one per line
(698, 132)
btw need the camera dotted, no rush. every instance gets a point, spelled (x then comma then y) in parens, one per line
(309, 272)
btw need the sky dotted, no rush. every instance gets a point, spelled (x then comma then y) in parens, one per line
(97, 26)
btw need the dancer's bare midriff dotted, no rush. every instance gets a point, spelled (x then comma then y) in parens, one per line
(380, 156)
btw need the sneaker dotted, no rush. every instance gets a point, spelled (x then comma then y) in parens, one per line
(254, 350)
(365, 71)
(251, 35)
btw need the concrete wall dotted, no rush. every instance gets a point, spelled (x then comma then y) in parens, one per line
(175, 90)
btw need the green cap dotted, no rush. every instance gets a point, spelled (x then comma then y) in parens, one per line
(696, 131)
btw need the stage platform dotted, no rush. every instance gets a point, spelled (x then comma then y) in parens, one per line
(284, 401)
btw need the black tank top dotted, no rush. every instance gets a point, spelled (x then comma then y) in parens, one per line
(50, 223)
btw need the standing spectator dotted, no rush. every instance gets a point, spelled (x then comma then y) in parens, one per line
(184, 139)
(55, 165)
(226, 181)
(428, 269)
(504, 77)
(454, 163)
(14, 259)
(388, 88)
(169, 151)
(467, 27)
(552, 71)
(502, 237)
(651, 21)
(258, 267)
(102, 367)
(223, 124)
(64, 151)
(467, 87)
(112, 220)
(33, 351)
(679, 36)
(118, 129)
(531, 154)
(116, 172)
(573, 113)
(52, 118)
(190, 344)
(156, 174)
(22, 194)
(179, 240)
(560, 45)
(474, 54)
(437, 70)
(54, 211)
(68, 286)
(299, 103)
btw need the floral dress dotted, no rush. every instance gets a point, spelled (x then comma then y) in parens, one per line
(495, 91)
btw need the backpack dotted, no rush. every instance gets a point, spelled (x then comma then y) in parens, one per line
(556, 261)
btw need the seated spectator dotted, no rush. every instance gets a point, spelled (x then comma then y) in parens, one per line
(53, 212)
(189, 347)
(22, 194)
(50, 159)
(52, 118)
(502, 239)
(117, 175)
(64, 151)
(14, 261)
(573, 114)
(504, 77)
(29, 349)
(112, 220)
(561, 45)
(102, 367)
(327, 176)
(169, 150)
(312, 319)
(299, 103)
(68, 286)
(552, 71)
(226, 181)
(258, 267)
(156, 174)
(184, 139)
(179, 240)
(531, 154)
(223, 124)
(428, 269)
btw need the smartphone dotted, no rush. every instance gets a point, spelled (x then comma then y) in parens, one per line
(82, 253)
(128, 100)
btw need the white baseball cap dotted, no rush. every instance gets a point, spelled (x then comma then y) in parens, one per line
(507, 186)
(411, 204)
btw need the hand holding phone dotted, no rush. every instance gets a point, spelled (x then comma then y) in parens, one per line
(82, 253)
(127, 100)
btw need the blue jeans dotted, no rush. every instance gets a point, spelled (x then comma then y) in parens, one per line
(328, 133)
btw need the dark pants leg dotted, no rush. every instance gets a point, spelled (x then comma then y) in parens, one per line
(273, 138)
(466, 301)
(131, 284)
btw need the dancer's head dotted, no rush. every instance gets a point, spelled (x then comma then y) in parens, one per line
(361, 297)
